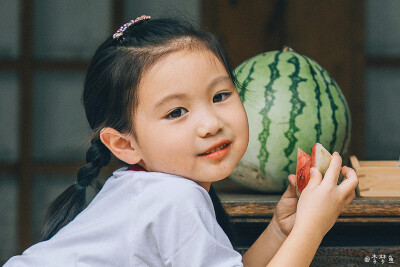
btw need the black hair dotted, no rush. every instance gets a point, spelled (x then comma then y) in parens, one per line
(110, 98)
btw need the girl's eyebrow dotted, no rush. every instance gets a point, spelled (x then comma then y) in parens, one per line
(219, 79)
(169, 98)
(212, 84)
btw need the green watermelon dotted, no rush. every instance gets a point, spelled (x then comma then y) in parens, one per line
(290, 101)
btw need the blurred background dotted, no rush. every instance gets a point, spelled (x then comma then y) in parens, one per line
(45, 47)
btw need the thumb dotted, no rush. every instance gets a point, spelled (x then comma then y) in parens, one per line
(291, 190)
(315, 177)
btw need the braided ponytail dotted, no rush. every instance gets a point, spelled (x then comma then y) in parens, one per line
(72, 201)
(97, 157)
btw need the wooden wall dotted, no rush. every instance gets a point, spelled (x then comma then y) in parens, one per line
(330, 32)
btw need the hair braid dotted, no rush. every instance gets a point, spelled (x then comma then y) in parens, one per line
(71, 202)
(97, 157)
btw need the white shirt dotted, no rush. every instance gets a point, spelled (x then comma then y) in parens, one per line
(139, 219)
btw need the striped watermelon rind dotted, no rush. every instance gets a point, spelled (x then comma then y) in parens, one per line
(290, 101)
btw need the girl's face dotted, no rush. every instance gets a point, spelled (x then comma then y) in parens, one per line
(188, 107)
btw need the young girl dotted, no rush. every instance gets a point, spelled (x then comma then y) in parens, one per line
(160, 96)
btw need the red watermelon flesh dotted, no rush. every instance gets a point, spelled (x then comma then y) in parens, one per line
(302, 170)
(320, 158)
(302, 158)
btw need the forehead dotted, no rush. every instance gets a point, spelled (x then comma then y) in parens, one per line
(183, 60)
(180, 72)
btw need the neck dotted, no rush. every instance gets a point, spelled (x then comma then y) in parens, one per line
(205, 185)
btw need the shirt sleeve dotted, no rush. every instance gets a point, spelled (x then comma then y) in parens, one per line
(191, 236)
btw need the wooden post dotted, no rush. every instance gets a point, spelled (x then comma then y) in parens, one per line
(25, 167)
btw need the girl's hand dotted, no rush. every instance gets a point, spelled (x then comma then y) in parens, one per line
(322, 200)
(285, 212)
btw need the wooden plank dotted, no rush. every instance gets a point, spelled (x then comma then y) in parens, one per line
(69, 168)
(383, 61)
(355, 256)
(6, 64)
(377, 178)
(8, 168)
(9, 64)
(356, 164)
(117, 14)
(56, 168)
(60, 65)
(44, 64)
(352, 256)
(380, 163)
(362, 209)
(373, 207)
(343, 220)
(25, 128)
(369, 220)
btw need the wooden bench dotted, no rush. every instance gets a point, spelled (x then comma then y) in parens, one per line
(368, 226)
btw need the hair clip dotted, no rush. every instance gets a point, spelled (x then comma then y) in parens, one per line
(128, 24)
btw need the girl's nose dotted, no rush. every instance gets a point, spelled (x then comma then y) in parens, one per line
(209, 124)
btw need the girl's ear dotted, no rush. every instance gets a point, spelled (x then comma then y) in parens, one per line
(120, 145)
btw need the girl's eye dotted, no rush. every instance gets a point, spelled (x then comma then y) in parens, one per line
(176, 113)
(220, 97)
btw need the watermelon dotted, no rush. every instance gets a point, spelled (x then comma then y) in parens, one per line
(290, 101)
(320, 159)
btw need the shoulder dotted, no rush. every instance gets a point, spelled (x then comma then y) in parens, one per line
(176, 192)
(158, 190)
(179, 188)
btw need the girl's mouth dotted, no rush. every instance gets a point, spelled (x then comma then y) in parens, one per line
(217, 153)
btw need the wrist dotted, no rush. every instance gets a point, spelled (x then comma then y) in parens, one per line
(276, 229)
(308, 230)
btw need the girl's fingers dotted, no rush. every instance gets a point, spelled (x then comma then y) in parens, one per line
(350, 183)
(332, 174)
(292, 180)
(350, 198)
(315, 178)
(291, 190)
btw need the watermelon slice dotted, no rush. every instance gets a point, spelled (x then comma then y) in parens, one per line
(302, 170)
(320, 158)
